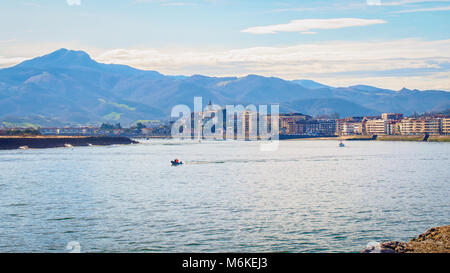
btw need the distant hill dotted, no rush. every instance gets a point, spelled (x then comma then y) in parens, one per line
(310, 84)
(317, 107)
(68, 87)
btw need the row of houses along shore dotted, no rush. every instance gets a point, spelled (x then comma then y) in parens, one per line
(297, 124)
(393, 124)
(385, 124)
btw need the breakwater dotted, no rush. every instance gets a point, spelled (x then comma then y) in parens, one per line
(40, 142)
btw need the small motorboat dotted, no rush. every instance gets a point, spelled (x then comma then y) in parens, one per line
(24, 147)
(67, 145)
(176, 162)
(341, 144)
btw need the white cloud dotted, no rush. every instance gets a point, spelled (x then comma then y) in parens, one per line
(424, 10)
(333, 63)
(73, 2)
(312, 24)
(394, 64)
(5, 61)
(407, 2)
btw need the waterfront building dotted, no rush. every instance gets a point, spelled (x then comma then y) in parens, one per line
(266, 129)
(289, 122)
(76, 131)
(49, 131)
(69, 131)
(213, 121)
(393, 127)
(349, 126)
(358, 128)
(375, 127)
(445, 126)
(409, 126)
(432, 126)
(161, 130)
(249, 125)
(391, 116)
(421, 126)
(327, 127)
(315, 127)
(211, 110)
(146, 131)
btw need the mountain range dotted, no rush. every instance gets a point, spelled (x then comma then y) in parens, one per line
(68, 87)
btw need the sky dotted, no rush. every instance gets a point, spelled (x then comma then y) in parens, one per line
(385, 43)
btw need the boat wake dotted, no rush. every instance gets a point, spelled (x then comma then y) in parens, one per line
(204, 162)
(200, 162)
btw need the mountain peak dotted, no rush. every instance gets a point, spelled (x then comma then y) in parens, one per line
(61, 58)
(310, 84)
(404, 89)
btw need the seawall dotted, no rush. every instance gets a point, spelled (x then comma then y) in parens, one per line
(40, 142)
(401, 138)
(420, 138)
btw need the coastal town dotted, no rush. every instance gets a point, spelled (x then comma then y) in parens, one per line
(290, 125)
(225, 136)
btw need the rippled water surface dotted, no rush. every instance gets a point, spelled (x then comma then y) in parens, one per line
(308, 196)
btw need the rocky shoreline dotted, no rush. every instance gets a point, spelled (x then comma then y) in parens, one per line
(434, 240)
(40, 142)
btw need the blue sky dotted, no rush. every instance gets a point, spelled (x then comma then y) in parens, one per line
(390, 44)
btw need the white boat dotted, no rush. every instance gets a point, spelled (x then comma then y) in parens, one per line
(67, 145)
(24, 147)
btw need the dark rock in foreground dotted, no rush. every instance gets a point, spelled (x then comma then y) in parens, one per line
(9, 143)
(434, 240)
